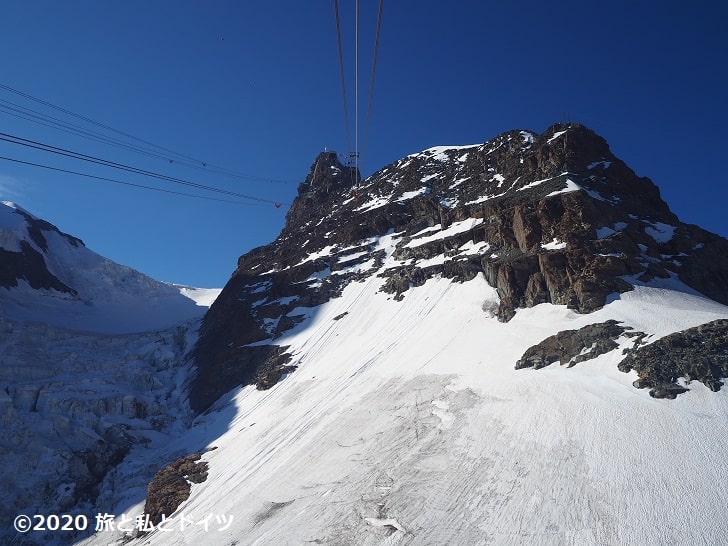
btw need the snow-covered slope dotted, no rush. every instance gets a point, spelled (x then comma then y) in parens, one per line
(406, 423)
(61, 282)
(384, 328)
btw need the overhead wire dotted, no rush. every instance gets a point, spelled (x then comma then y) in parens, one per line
(61, 125)
(13, 139)
(132, 184)
(343, 78)
(371, 82)
(354, 156)
(155, 150)
(56, 123)
(356, 79)
(97, 123)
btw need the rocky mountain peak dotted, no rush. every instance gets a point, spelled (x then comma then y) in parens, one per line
(545, 218)
(328, 181)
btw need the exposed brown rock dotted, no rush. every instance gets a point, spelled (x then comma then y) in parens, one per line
(699, 353)
(171, 486)
(695, 354)
(260, 365)
(573, 346)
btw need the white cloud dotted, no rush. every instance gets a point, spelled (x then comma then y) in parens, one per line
(11, 189)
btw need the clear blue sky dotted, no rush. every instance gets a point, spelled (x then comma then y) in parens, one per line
(255, 87)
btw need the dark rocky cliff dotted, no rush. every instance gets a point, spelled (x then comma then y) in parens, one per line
(551, 218)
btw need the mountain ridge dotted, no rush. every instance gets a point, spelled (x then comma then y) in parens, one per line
(550, 218)
(364, 377)
(49, 276)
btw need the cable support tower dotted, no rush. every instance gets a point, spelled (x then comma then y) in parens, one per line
(356, 83)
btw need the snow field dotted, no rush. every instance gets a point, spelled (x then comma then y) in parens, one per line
(406, 423)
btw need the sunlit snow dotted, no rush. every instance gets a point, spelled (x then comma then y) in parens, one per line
(403, 422)
(556, 135)
(660, 232)
(570, 186)
(554, 244)
(454, 229)
(407, 423)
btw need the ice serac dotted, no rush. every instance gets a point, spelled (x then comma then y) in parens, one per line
(91, 356)
(550, 218)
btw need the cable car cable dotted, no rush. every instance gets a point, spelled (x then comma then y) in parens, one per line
(343, 78)
(141, 186)
(371, 83)
(99, 161)
(180, 157)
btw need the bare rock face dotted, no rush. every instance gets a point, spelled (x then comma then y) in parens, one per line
(550, 218)
(262, 366)
(573, 346)
(171, 486)
(695, 354)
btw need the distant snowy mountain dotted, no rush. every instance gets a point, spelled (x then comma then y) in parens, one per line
(51, 277)
(384, 371)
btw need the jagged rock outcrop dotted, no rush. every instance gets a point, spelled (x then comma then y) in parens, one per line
(550, 218)
(171, 486)
(260, 300)
(573, 346)
(696, 354)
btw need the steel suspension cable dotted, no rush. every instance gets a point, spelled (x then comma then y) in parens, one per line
(93, 122)
(55, 123)
(160, 151)
(371, 83)
(356, 99)
(125, 183)
(106, 163)
(343, 79)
